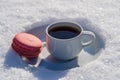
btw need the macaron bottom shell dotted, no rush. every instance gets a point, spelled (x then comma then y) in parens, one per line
(27, 54)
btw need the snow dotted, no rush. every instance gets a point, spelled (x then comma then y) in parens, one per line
(100, 16)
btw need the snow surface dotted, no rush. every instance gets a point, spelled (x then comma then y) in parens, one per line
(102, 16)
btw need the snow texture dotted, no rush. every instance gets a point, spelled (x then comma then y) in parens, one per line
(100, 16)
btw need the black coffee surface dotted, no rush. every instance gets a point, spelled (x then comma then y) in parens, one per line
(64, 32)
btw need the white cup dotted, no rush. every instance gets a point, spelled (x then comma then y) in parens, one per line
(66, 49)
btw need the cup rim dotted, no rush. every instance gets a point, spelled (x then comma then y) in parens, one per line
(65, 21)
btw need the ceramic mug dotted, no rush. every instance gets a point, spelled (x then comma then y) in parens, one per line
(65, 45)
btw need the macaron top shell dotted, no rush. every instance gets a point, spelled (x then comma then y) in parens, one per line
(28, 40)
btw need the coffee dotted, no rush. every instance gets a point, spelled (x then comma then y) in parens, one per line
(64, 32)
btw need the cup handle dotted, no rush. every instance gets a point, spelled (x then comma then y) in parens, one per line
(89, 33)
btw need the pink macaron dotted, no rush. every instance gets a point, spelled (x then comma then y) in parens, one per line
(27, 45)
